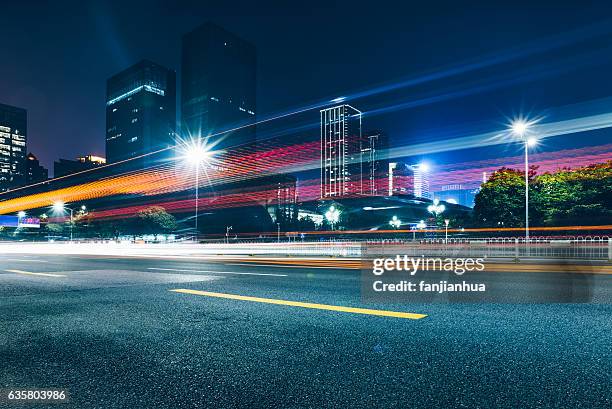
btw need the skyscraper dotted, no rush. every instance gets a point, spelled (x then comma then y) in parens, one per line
(374, 163)
(218, 80)
(340, 151)
(13, 139)
(35, 172)
(140, 113)
(421, 180)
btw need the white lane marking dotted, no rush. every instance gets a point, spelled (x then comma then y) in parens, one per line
(35, 274)
(26, 261)
(216, 272)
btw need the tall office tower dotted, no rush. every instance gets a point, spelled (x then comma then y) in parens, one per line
(218, 80)
(421, 180)
(35, 172)
(340, 151)
(140, 113)
(374, 163)
(13, 138)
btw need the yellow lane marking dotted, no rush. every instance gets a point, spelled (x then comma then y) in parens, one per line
(383, 313)
(35, 274)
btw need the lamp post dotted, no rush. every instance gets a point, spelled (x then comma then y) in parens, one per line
(436, 208)
(20, 215)
(196, 153)
(421, 225)
(332, 215)
(446, 222)
(227, 230)
(61, 207)
(395, 222)
(520, 128)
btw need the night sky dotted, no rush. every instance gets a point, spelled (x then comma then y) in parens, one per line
(56, 57)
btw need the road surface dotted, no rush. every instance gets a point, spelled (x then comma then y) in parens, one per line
(114, 333)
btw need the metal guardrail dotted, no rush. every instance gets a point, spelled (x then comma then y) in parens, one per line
(593, 248)
(596, 249)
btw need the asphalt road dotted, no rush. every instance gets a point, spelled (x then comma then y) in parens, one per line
(112, 333)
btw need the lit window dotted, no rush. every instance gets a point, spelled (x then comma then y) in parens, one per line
(134, 139)
(134, 120)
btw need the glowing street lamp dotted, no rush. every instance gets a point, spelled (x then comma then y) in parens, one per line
(21, 214)
(419, 226)
(332, 215)
(520, 128)
(395, 222)
(446, 222)
(60, 207)
(196, 153)
(436, 208)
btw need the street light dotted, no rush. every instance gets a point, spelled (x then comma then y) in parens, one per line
(197, 153)
(332, 215)
(520, 128)
(446, 222)
(60, 207)
(227, 230)
(420, 226)
(436, 208)
(395, 222)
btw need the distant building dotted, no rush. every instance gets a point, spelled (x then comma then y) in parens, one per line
(374, 164)
(13, 147)
(456, 193)
(421, 181)
(64, 167)
(401, 179)
(218, 86)
(340, 151)
(35, 172)
(140, 113)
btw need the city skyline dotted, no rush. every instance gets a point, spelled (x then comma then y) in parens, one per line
(411, 126)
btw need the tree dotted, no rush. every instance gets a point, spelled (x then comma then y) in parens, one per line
(501, 200)
(155, 220)
(581, 196)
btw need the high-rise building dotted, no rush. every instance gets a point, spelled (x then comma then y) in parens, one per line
(65, 167)
(374, 163)
(140, 113)
(13, 140)
(340, 151)
(35, 172)
(421, 180)
(218, 84)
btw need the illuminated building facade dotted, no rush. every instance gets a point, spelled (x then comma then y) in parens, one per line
(13, 141)
(373, 163)
(140, 113)
(340, 151)
(218, 86)
(421, 181)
